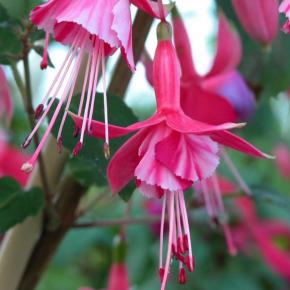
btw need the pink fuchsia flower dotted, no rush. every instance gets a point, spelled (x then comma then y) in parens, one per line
(97, 27)
(168, 154)
(259, 18)
(264, 233)
(285, 8)
(11, 160)
(222, 87)
(6, 104)
(282, 160)
(118, 277)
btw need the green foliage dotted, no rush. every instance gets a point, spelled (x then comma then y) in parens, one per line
(10, 44)
(16, 204)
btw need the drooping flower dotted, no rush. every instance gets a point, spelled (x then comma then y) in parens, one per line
(259, 18)
(6, 104)
(118, 278)
(285, 8)
(282, 160)
(168, 154)
(222, 87)
(11, 160)
(264, 234)
(96, 27)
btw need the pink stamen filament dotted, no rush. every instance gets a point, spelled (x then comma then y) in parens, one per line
(180, 246)
(161, 10)
(170, 200)
(235, 172)
(162, 234)
(208, 204)
(44, 62)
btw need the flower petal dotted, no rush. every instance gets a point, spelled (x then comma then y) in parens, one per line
(232, 86)
(183, 47)
(183, 124)
(233, 141)
(229, 48)
(122, 24)
(122, 166)
(188, 156)
(151, 7)
(206, 106)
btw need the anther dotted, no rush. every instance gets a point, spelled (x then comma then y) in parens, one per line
(59, 144)
(38, 112)
(161, 274)
(26, 143)
(107, 150)
(182, 276)
(77, 149)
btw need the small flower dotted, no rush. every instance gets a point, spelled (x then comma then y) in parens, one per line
(259, 18)
(168, 154)
(118, 277)
(6, 103)
(96, 27)
(285, 8)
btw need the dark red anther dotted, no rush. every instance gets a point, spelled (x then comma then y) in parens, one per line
(76, 132)
(160, 191)
(182, 276)
(185, 243)
(77, 149)
(26, 143)
(107, 150)
(180, 247)
(138, 182)
(59, 144)
(161, 274)
(190, 263)
(44, 64)
(38, 111)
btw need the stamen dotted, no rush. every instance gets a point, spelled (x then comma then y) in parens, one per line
(107, 150)
(208, 204)
(59, 144)
(236, 173)
(162, 234)
(180, 247)
(77, 149)
(170, 238)
(182, 276)
(44, 62)
(105, 97)
(38, 112)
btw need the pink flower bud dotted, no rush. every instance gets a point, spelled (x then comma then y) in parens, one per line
(259, 18)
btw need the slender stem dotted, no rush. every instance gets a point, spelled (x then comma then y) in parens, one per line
(118, 222)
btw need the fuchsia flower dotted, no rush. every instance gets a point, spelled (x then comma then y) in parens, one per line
(264, 232)
(285, 8)
(282, 154)
(6, 104)
(11, 160)
(222, 87)
(118, 277)
(168, 154)
(96, 27)
(259, 18)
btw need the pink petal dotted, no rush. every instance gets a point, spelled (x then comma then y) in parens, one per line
(150, 191)
(229, 48)
(233, 141)
(183, 124)
(183, 48)
(6, 104)
(150, 7)
(188, 156)
(86, 16)
(276, 228)
(122, 24)
(259, 18)
(122, 166)
(98, 128)
(206, 106)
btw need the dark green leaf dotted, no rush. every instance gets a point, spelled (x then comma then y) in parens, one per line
(16, 204)
(127, 192)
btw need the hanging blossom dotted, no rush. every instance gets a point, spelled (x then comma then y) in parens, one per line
(6, 103)
(259, 18)
(168, 154)
(265, 235)
(94, 27)
(285, 8)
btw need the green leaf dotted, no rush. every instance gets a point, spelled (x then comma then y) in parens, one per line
(90, 166)
(10, 44)
(127, 192)
(16, 204)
